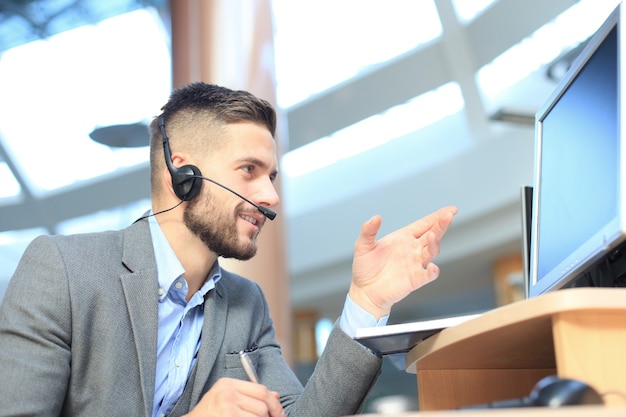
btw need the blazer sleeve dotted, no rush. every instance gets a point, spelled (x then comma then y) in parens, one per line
(35, 334)
(343, 377)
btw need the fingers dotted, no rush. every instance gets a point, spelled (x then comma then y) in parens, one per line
(438, 221)
(274, 407)
(260, 401)
(429, 241)
(431, 247)
(369, 230)
(428, 232)
(432, 272)
(233, 397)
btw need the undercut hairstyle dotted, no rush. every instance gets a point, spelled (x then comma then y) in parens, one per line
(199, 107)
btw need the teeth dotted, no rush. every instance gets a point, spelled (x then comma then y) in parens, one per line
(249, 219)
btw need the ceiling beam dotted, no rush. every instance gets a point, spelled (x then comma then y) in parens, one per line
(125, 187)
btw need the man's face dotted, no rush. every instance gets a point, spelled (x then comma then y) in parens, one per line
(246, 163)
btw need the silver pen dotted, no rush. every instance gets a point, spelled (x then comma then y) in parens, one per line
(248, 367)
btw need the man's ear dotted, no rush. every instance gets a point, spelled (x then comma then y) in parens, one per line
(185, 178)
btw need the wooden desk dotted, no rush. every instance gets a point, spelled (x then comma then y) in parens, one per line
(575, 333)
(579, 411)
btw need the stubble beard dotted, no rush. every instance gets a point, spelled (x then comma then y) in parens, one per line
(217, 230)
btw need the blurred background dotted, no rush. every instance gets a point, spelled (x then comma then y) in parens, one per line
(394, 108)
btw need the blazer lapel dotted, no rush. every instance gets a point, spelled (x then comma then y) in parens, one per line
(213, 333)
(140, 288)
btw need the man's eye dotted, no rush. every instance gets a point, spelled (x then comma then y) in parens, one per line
(248, 168)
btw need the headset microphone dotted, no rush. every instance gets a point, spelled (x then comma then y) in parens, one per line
(270, 214)
(186, 180)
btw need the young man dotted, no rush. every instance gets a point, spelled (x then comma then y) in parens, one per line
(144, 322)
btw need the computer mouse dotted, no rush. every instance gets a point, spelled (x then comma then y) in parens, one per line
(553, 391)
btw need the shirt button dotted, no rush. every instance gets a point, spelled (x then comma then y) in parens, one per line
(177, 363)
(161, 291)
(179, 285)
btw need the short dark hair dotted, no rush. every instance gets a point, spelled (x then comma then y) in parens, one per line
(208, 102)
(226, 105)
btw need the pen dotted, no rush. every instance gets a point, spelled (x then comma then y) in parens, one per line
(248, 367)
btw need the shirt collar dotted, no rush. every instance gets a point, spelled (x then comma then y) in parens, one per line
(169, 267)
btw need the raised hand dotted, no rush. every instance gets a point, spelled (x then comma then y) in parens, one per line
(387, 270)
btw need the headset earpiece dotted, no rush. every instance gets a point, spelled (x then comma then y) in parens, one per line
(185, 181)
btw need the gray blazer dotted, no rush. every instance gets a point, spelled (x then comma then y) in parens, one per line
(78, 335)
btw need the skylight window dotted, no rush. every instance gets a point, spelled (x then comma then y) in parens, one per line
(320, 44)
(374, 131)
(468, 10)
(10, 187)
(56, 91)
(568, 30)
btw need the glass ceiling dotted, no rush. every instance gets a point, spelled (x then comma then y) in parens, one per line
(24, 21)
(317, 49)
(300, 75)
(107, 63)
(57, 90)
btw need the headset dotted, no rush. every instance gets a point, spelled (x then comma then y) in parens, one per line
(186, 180)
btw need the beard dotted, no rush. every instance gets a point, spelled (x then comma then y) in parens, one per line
(217, 230)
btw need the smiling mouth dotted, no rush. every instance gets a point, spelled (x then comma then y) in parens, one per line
(250, 219)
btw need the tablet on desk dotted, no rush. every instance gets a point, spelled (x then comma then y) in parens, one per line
(400, 338)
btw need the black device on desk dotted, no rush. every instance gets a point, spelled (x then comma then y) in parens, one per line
(550, 391)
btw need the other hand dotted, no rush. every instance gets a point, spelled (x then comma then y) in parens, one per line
(387, 270)
(238, 398)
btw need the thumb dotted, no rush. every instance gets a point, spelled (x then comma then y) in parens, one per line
(369, 230)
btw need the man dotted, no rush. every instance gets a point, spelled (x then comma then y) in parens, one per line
(144, 322)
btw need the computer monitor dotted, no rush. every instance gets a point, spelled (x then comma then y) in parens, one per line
(579, 206)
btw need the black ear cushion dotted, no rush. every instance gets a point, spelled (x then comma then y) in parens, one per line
(186, 182)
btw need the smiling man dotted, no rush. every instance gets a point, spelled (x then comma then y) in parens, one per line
(145, 322)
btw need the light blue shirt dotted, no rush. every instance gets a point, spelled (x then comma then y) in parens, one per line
(354, 317)
(180, 322)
